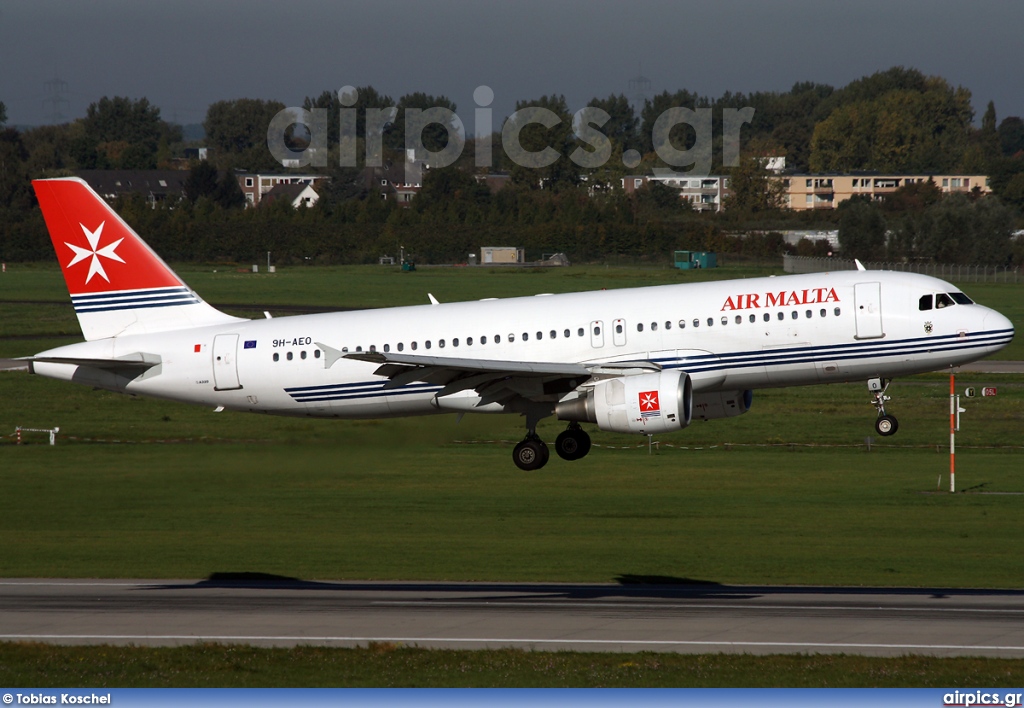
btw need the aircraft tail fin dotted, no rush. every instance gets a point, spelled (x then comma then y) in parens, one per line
(118, 284)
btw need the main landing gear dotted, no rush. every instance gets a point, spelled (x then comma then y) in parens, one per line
(572, 443)
(885, 424)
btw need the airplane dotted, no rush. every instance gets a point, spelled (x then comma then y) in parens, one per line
(646, 360)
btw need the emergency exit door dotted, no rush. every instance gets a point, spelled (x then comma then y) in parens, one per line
(225, 365)
(868, 308)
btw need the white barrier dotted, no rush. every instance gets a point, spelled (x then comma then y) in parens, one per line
(52, 431)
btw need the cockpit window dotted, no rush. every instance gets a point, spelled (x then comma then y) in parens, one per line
(961, 299)
(943, 300)
(925, 303)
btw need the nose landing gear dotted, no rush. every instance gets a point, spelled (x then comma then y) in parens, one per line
(885, 424)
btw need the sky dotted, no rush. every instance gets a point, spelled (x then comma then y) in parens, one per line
(184, 55)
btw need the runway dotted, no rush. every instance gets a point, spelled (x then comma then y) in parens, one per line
(544, 617)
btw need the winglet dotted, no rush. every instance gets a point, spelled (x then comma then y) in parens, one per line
(860, 266)
(433, 300)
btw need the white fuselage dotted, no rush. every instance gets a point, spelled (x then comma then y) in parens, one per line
(727, 335)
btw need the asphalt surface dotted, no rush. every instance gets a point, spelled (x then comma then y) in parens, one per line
(548, 617)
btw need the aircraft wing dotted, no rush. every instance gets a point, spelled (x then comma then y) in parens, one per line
(495, 381)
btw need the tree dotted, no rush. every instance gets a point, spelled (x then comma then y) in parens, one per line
(919, 127)
(201, 181)
(861, 229)
(3, 114)
(1011, 135)
(239, 128)
(753, 188)
(124, 133)
(535, 138)
(434, 136)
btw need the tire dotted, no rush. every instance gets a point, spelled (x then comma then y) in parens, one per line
(886, 425)
(572, 444)
(530, 455)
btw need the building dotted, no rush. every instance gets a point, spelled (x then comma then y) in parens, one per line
(501, 254)
(827, 191)
(255, 185)
(298, 195)
(154, 185)
(704, 193)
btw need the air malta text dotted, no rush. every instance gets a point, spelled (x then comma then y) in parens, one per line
(783, 298)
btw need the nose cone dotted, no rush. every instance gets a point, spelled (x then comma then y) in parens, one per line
(996, 324)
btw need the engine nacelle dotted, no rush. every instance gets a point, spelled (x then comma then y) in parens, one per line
(646, 404)
(721, 404)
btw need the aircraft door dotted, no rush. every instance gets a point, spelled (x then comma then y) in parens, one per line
(619, 332)
(225, 365)
(597, 334)
(868, 308)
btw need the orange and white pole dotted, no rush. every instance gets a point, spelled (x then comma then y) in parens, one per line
(952, 432)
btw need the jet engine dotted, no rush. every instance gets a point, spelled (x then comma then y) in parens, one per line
(660, 402)
(721, 404)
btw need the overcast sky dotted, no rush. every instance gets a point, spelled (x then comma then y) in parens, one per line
(184, 55)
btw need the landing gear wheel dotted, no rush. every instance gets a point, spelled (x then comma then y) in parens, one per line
(572, 444)
(887, 425)
(530, 454)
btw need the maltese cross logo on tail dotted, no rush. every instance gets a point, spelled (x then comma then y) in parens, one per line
(649, 406)
(94, 251)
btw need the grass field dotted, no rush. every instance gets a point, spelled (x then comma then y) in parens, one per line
(385, 665)
(788, 493)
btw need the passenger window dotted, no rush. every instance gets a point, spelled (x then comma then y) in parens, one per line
(344, 350)
(553, 334)
(358, 349)
(767, 317)
(836, 311)
(455, 342)
(739, 319)
(795, 314)
(469, 341)
(668, 325)
(540, 335)
(753, 318)
(639, 326)
(711, 321)
(654, 326)
(277, 357)
(401, 346)
(580, 332)
(302, 354)
(682, 324)
(483, 340)
(387, 348)
(373, 348)
(440, 343)
(725, 321)
(597, 330)
(289, 356)
(782, 316)
(696, 323)
(414, 346)
(526, 336)
(823, 312)
(316, 354)
(566, 334)
(943, 300)
(427, 344)
(925, 303)
(809, 314)
(618, 329)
